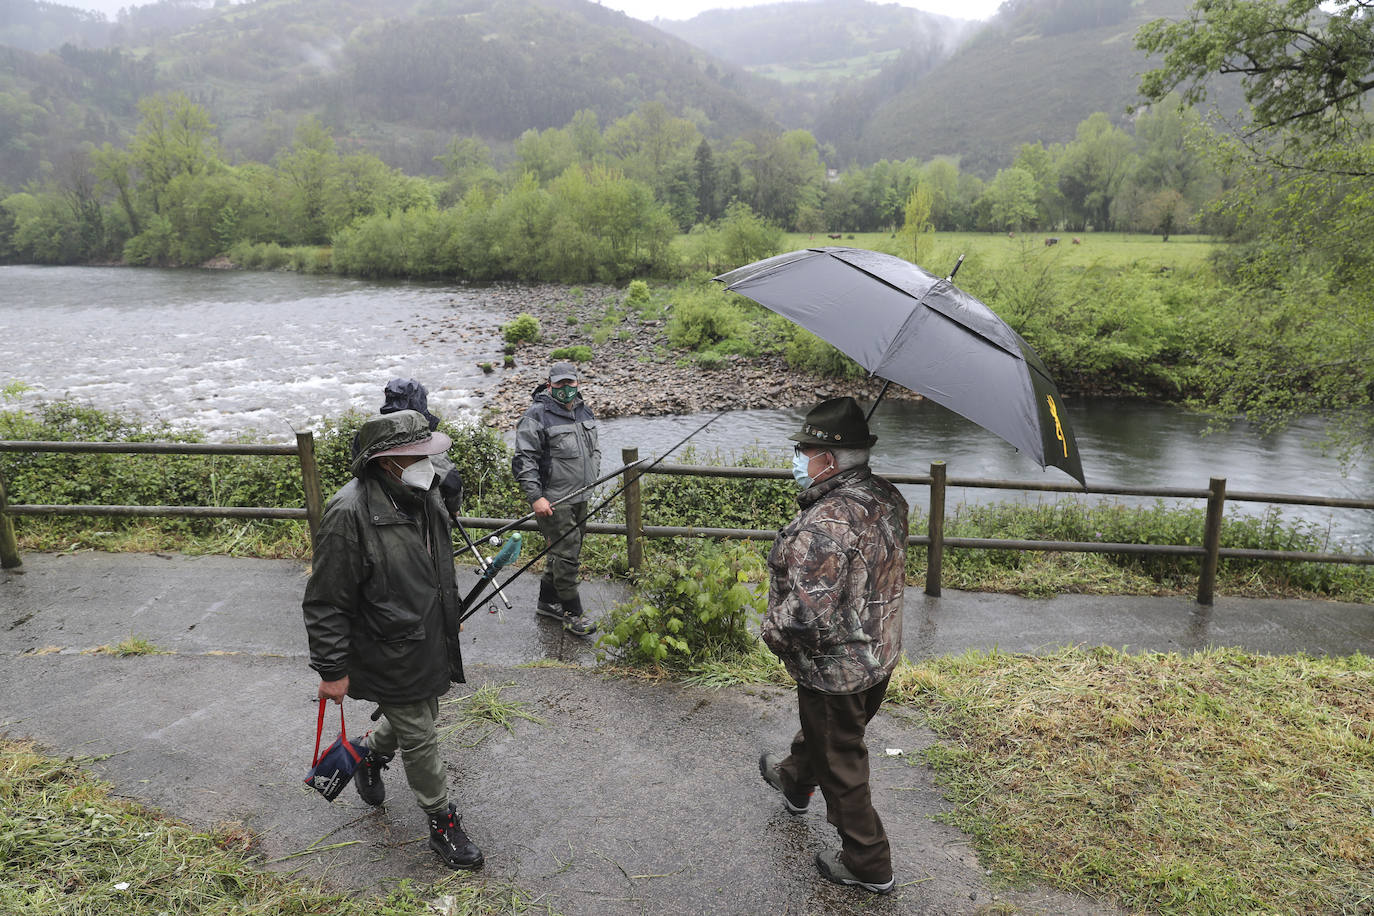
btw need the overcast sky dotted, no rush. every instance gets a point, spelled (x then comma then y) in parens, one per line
(671, 9)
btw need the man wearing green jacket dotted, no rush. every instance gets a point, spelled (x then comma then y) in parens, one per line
(381, 613)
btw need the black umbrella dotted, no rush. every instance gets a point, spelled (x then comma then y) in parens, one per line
(907, 326)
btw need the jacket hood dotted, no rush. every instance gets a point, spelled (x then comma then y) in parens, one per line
(408, 394)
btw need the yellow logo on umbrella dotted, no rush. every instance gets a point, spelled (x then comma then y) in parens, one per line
(1058, 429)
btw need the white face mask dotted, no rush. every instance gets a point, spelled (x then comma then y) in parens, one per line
(419, 475)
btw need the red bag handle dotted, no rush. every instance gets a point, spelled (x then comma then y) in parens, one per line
(319, 730)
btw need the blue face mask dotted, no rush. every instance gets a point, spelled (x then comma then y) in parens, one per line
(801, 463)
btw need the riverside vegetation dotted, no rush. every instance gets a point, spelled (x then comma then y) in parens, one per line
(1062, 769)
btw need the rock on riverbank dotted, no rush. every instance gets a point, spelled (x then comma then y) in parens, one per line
(633, 370)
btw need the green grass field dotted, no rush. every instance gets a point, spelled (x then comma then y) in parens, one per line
(939, 250)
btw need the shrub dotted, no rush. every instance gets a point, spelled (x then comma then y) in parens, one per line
(703, 316)
(692, 611)
(577, 354)
(524, 329)
(637, 293)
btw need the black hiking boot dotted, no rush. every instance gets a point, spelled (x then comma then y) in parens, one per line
(548, 603)
(797, 802)
(446, 837)
(832, 869)
(367, 778)
(574, 622)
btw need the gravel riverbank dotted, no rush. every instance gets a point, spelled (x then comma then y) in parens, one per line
(633, 370)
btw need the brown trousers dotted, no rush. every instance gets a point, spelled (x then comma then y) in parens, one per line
(829, 752)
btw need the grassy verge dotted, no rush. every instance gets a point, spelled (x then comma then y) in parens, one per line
(1218, 782)
(67, 847)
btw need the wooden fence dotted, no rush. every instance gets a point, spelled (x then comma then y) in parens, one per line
(1211, 551)
(304, 449)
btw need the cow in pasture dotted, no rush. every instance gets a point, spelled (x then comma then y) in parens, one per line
(1051, 241)
(1077, 240)
(834, 235)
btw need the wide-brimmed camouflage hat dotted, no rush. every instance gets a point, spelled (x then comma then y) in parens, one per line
(838, 422)
(404, 432)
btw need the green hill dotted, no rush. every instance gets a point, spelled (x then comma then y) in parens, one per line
(821, 46)
(400, 78)
(1032, 74)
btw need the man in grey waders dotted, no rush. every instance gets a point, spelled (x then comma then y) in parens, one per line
(381, 613)
(556, 454)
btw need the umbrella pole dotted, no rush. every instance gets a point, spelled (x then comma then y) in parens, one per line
(882, 392)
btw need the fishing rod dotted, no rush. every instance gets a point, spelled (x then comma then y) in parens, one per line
(578, 492)
(481, 561)
(605, 502)
(508, 554)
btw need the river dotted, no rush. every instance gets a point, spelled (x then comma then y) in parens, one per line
(232, 352)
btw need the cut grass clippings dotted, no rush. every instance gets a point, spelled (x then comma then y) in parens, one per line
(484, 707)
(1218, 782)
(67, 847)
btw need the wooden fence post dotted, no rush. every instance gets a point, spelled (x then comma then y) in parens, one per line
(634, 511)
(310, 481)
(935, 553)
(9, 545)
(1211, 540)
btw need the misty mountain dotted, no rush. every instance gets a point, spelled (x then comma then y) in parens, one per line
(398, 77)
(1031, 74)
(821, 47)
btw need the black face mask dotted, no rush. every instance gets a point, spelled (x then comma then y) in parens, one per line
(564, 395)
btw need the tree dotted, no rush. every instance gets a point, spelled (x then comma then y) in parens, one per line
(916, 218)
(1305, 69)
(1011, 198)
(1298, 331)
(174, 138)
(1093, 168)
(1165, 211)
(307, 167)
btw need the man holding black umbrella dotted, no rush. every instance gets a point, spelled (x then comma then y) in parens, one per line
(836, 578)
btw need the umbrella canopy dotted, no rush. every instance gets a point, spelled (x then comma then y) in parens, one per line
(908, 326)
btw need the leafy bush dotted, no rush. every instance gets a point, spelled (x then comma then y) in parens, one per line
(703, 316)
(577, 354)
(45, 478)
(720, 502)
(524, 329)
(809, 353)
(689, 612)
(637, 293)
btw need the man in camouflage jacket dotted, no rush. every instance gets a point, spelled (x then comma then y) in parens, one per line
(837, 574)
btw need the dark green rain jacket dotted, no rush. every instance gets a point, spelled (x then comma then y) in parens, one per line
(382, 602)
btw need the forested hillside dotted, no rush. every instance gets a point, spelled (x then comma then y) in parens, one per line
(400, 78)
(1031, 75)
(823, 46)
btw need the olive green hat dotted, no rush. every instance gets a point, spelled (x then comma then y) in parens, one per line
(403, 432)
(838, 423)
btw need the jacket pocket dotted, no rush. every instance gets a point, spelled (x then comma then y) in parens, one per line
(565, 443)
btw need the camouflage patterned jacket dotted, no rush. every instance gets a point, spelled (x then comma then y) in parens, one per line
(837, 572)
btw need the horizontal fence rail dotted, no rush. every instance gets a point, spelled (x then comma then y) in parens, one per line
(635, 530)
(303, 450)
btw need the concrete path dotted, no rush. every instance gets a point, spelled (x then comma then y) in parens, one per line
(626, 797)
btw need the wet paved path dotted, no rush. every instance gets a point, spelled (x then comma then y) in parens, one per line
(626, 797)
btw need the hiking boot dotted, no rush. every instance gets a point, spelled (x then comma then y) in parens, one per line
(579, 626)
(446, 837)
(548, 603)
(797, 801)
(367, 778)
(833, 870)
(573, 621)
